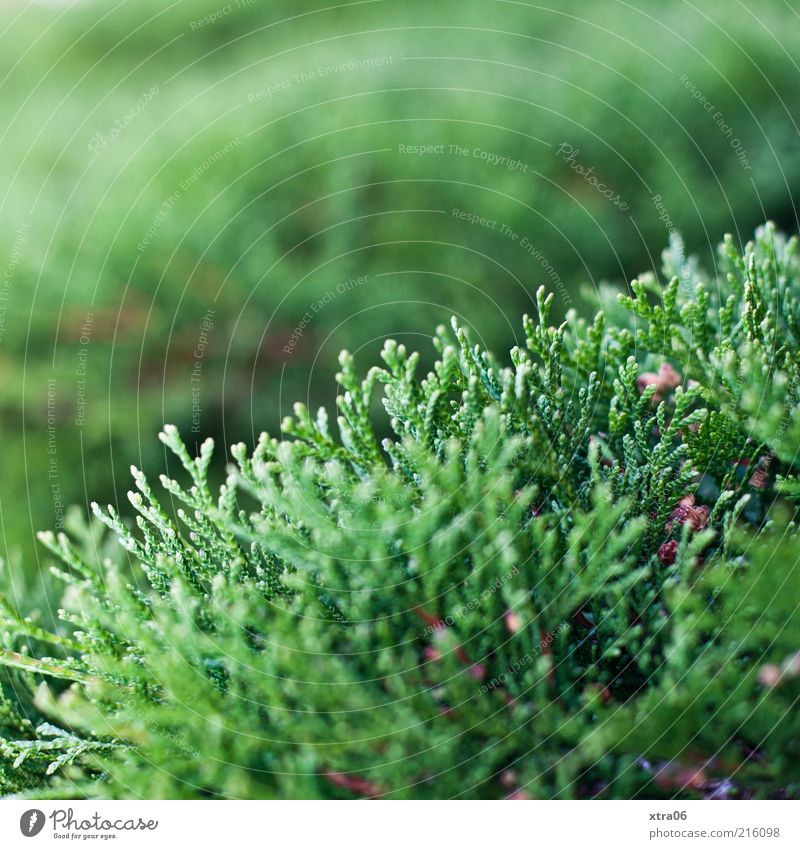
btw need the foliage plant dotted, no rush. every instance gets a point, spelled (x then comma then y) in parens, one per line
(572, 575)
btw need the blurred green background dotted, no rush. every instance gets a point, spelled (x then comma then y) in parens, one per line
(203, 202)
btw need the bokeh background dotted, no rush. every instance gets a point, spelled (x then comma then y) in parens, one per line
(202, 202)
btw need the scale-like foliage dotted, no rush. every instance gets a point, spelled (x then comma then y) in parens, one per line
(573, 575)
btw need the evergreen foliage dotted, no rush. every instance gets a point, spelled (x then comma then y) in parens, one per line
(574, 575)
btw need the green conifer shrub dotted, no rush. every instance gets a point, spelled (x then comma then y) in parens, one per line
(574, 575)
